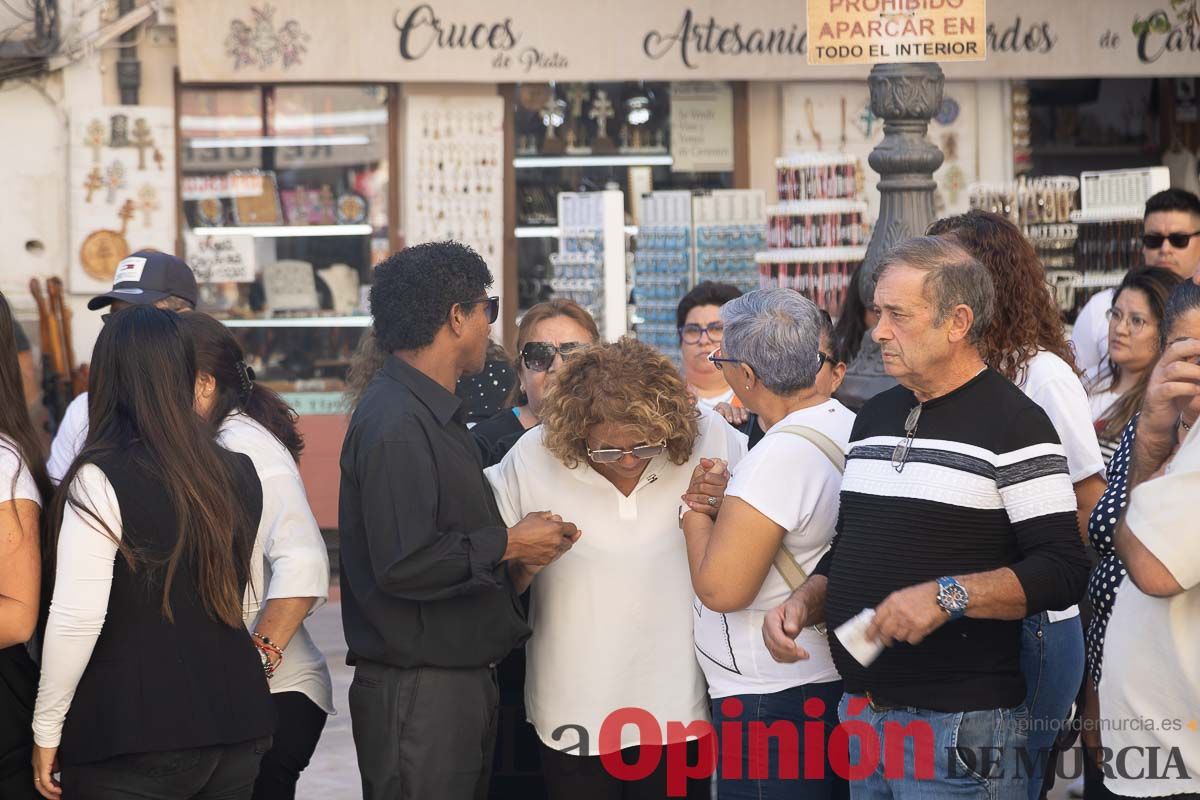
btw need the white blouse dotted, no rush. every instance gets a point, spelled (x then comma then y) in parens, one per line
(289, 557)
(612, 618)
(83, 577)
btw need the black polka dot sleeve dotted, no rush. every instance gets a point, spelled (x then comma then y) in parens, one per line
(1110, 572)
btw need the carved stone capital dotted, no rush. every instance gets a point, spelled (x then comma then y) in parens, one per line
(906, 91)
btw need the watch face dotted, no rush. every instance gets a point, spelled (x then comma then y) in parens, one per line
(953, 597)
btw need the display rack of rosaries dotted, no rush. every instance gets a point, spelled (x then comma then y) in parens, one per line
(729, 228)
(662, 266)
(590, 265)
(1042, 209)
(818, 233)
(1109, 221)
(685, 238)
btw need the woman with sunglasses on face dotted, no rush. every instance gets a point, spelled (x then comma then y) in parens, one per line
(289, 565)
(612, 619)
(548, 333)
(150, 687)
(782, 503)
(1116, 388)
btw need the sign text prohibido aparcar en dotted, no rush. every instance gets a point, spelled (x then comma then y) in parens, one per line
(885, 31)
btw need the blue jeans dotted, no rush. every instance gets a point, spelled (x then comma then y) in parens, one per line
(918, 754)
(738, 775)
(1052, 663)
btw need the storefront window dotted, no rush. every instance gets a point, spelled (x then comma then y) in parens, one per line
(582, 137)
(285, 197)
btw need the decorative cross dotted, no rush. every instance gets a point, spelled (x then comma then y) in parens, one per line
(577, 94)
(602, 111)
(93, 182)
(114, 180)
(125, 213)
(142, 139)
(93, 139)
(954, 182)
(148, 196)
(548, 112)
(120, 131)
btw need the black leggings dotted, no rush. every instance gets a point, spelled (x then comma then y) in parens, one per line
(297, 730)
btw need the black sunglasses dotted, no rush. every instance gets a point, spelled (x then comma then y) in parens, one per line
(900, 452)
(538, 356)
(493, 307)
(1154, 241)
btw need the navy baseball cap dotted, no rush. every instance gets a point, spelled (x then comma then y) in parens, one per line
(147, 276)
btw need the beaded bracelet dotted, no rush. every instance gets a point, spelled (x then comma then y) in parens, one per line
(267, 646)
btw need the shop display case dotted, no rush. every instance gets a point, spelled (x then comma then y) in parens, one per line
(284, 209)
(588, 137)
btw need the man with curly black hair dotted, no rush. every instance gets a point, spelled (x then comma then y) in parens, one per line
(429, 573)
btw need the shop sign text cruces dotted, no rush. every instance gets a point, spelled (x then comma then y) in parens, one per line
(884, 31)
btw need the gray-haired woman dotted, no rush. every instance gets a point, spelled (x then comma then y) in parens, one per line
(780, 507)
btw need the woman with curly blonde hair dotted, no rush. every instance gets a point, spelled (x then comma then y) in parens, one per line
(619, 443)
(1027, 344)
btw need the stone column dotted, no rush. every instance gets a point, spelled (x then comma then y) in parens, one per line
(906, 97)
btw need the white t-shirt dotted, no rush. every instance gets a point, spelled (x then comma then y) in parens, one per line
(1089, 337)
(289, 557)
(792, 483)
(1150, 669)
(68, 441)
(12, 465)
(710, 403)
(1051, 383)
(612, 618)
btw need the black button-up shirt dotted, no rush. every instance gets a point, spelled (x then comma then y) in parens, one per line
(420, 535)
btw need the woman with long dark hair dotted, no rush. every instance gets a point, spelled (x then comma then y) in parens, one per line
(1027, 344)
(24, 487)
(1116, 387)
(853, 322)
(289, 565)
(150, 684)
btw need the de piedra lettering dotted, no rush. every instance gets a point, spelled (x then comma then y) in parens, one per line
(422, 29)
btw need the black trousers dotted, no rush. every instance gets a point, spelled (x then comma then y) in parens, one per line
(299, 726)
(571, 777)
(18, 687)
(423, 733)
(224, 772)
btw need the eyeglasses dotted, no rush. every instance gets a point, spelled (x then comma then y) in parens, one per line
(693, 333)
(493, 307)
(900, 454)
(1153, 241)
(539, 356)
(1136, 322)
(717, 361)
(610, 454)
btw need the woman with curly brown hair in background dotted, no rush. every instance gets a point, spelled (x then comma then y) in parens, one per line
(1027, 344)
(618, 445)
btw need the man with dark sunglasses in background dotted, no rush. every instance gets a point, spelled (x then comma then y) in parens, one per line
(1171, 240)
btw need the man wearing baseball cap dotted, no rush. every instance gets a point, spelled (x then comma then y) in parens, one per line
(144, 278)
